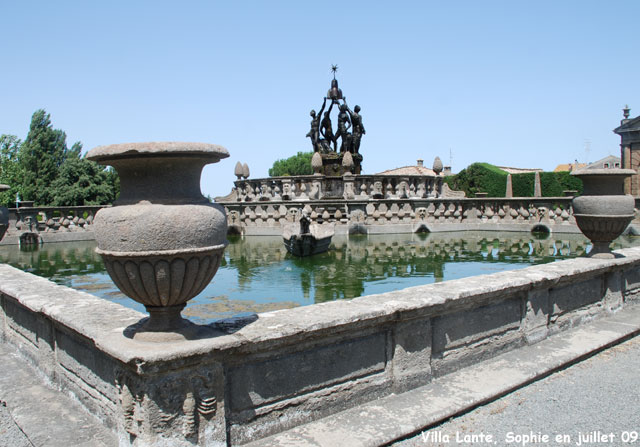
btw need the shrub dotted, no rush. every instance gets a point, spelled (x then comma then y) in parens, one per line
(484, 177)
(479, 177)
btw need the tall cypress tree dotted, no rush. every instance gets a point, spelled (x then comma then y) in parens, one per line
(10, 171)
(41, 156)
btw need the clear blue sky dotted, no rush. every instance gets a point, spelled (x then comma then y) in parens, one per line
(514, 83)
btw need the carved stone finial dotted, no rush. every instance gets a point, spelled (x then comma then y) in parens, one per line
(347, 162)
(238, 170)
(437, 166)
(625, 111)
(245, 170)
(316, 163)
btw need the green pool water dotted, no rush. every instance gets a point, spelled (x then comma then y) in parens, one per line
(258, 275)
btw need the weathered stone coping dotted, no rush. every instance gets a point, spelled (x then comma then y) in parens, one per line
(87, 314)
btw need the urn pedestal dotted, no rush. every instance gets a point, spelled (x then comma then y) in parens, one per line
(162, 241)
(603, 211)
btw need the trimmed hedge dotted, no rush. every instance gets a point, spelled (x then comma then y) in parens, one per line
(484, 177)
(479, 177)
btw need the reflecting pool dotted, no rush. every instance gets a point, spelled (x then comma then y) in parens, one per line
(257, 274)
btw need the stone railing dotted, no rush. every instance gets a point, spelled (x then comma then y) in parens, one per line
(349, 187)
(51, 224)
(407, 215)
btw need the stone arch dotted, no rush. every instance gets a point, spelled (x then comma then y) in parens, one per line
(30, 239)
(541, 228)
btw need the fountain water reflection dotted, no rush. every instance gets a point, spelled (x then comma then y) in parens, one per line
(257, 274)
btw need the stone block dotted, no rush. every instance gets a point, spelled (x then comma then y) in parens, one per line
(631, 278)
(411, 354)
(32, 332)
(613, 299)
(575, 303)
(88, 373)
(471, 335)
(22, 323)
(536, 317)
(255, 384)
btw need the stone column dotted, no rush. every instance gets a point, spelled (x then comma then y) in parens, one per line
(537, 189)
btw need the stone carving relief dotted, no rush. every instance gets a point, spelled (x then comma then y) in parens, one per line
(376, 190)
(286, 190)
(349, 192)
(293, 215)
(168, 404)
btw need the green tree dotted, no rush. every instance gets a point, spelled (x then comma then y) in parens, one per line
(10, 169)
(82, 182)
(41, 157)
(299, 164)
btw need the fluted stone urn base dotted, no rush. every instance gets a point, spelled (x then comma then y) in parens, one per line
(601, 231)
(164, 281)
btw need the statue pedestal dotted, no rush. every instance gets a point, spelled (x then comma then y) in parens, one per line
(332, 164)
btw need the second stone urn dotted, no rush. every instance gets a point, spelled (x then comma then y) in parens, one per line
(603, 211)
(4, 214)
(162, 241)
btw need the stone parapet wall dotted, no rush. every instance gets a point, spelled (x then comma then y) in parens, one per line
(51, 224)
(406, 215)
(292, 366)
(348, 187)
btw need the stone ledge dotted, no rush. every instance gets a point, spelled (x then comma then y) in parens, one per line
(84, 313)
(400, 415)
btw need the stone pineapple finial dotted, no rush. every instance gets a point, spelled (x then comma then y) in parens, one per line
(238, 170)
(316, 163)
(437, 166)
(347, 162)
(245, 170)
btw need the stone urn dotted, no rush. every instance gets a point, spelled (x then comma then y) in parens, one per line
(603, 211)
(4, 214)
(162, 241)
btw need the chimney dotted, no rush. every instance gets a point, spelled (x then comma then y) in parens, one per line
(420, 162)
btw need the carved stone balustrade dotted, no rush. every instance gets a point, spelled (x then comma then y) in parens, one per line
(406, 215)
(359, 187)
(51, 224)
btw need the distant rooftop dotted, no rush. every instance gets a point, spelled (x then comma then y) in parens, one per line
(610, 161)
(408, 170)
(569, 167)
(418, 169)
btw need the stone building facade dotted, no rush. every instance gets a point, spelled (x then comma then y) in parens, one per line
(629, 131)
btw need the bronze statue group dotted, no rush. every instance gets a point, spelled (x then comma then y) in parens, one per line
(350, 128)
